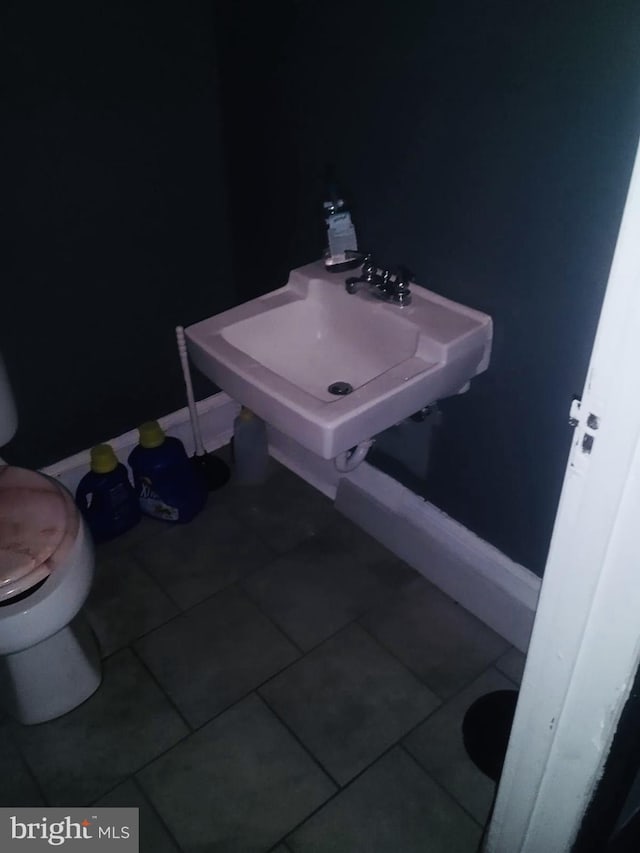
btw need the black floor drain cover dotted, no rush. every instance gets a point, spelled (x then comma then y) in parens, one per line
(340, 388)
(486, 728)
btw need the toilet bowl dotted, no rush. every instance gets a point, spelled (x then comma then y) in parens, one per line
(49, 658)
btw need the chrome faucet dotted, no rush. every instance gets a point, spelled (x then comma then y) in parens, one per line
(383, 284)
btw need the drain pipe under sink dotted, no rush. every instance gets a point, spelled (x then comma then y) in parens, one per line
(350, 459)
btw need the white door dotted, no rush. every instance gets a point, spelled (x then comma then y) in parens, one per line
(585, 645)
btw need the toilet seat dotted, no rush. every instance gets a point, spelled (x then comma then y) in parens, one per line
(38, 522)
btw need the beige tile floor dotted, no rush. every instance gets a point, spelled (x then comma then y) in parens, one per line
(274, 680)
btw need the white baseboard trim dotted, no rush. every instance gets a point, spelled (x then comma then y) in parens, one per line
(215, 414)
(501, 593)
(498, 591)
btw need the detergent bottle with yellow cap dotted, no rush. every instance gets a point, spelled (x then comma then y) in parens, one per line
(106, 497)
(168, 486)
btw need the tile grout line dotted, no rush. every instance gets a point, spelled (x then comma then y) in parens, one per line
(439, 784)
(270, 620)
(303, 651)
(354, 621)
(132, 778)
(397, 743)
(273, 556)
(185, 612)
(421, 679)
(141, 566)
(494, 664)
(195, 729)
(452, 698)
(32, 773)
(339, 788)
(238, 583)
(342, 788)
(276, 554)
(285, 725)
(257, 688)
(461, 690)
(131, 640)
(156, 812)
(110, 790)
(280, 843)
(160, 688)
(313, 649)
(399, 660)
(132, 774)
(245, 520)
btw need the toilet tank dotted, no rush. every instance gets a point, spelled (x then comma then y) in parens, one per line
(8, 413)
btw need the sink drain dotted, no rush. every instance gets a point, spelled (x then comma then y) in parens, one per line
(340, 388)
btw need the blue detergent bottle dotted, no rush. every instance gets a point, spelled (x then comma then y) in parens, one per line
(105, 496)
(168, 486)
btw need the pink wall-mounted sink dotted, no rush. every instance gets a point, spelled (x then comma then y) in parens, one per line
(280, 353)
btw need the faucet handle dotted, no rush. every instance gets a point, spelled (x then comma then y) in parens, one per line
(367, 274)
(404, 277)
(401, 291)
(368, 268)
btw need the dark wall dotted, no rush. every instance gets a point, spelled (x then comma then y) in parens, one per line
(489, 147)
(263, 144)
(486, 145)
(117, 225)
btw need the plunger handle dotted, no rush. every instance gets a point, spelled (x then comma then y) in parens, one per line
(186, 373)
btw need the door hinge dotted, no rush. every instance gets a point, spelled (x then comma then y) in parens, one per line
(574, 412)
(585, 437)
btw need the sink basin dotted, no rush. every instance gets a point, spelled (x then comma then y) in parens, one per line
(280, 354)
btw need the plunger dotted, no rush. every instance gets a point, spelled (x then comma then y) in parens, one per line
(216, 471)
